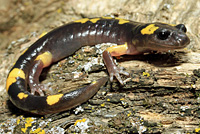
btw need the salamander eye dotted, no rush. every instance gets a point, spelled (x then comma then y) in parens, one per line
(163, 35)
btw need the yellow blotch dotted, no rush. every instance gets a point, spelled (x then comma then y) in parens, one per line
(43, 33)
(129, 114)
(29, 122)
(12, 77)
(77, 121)
(52, 99)
(42, 132)
(46, 58)
(150, 29)
(145, 74)
(172, 25)
(24, 129)
(122, 99)
(197, 130)
(18, 121)
(122, 21)
(94, 82)
(103, 105)
(94, 20)
(82, 20)
(22, 95)
(118, 50)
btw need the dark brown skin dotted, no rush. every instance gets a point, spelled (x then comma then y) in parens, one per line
(132, 38)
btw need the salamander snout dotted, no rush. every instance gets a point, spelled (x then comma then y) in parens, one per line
(180, 38)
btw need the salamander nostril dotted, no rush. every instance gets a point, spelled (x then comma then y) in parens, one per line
(181, 27)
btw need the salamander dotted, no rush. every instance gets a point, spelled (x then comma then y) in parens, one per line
(132, 38)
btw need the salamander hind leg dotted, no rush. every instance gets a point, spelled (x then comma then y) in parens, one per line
(41, 61)
(34, 83)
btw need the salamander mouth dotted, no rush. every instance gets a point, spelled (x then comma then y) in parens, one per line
(179, 46)
(164, 49)
(170, 46)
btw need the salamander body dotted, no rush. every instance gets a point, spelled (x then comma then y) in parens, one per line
(131, 38)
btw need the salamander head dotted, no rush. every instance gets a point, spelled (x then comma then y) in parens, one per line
(163, 37)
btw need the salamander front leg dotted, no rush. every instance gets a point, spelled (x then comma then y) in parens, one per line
(113, 70)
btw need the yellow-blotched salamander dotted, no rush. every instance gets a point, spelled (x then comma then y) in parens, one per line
(132, 38)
